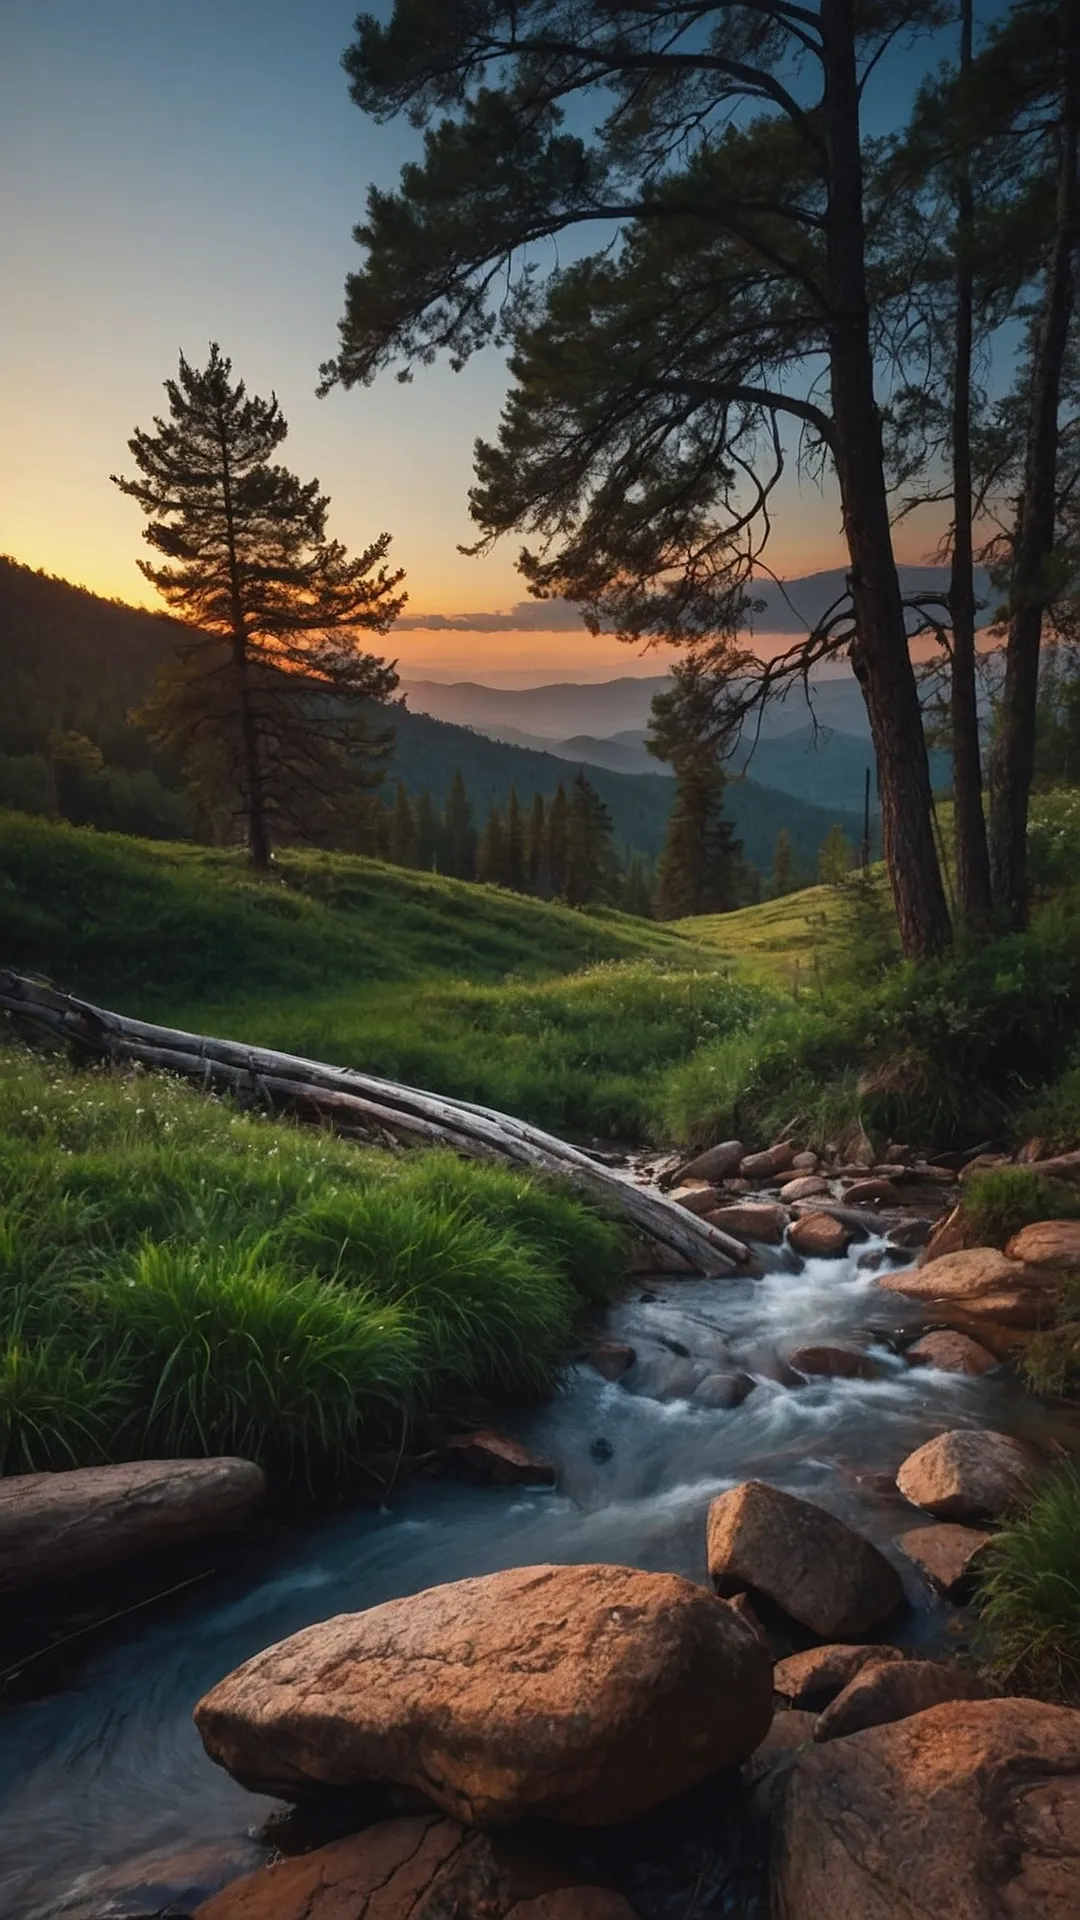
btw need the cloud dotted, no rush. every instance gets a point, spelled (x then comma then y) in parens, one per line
(527, 616)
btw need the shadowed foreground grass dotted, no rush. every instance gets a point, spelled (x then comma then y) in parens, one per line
(1029, 1594)
(180, 1279)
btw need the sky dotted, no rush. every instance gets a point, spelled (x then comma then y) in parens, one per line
(175, 173)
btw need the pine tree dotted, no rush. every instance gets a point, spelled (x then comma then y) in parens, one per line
(403, 829)
(491, 852)
(636, 896)
(515, 844)
(536, 872)
(700, 867)
(459, 831)
(265, 699)
(834, 859)
(783, 876)
(592, 870)
(428, 835)
(557, 837)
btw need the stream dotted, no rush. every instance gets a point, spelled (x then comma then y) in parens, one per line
(110, 1768)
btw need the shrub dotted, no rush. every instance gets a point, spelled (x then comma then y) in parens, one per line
(1054, 1114)
(1051, 1362)
(998, 1202)
(1029, 1593)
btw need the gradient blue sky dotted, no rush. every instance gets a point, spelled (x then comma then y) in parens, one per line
(176, 173)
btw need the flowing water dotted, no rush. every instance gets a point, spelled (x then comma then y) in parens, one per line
(111, 1768)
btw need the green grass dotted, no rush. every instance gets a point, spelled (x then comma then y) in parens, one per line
(1029, 1594)
(179, 1278)
(1000, 1201)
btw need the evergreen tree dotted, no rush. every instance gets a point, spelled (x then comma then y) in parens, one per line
(428, 835)
(700, 867)
(592, 870)
(491, 853)
(558, 825)
(384, 833)
(403, 829)
(515, 844)
(459, 831)
(783, 875)
(636, 897)
(265, 698)
(834, 858)
(536, 872)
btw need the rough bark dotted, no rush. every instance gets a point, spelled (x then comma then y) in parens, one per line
(257, 826)
(1014, 759)
(972, 851)
(362, 1103)
(880, 654)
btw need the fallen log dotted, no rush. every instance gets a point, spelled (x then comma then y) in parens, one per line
(350, 1101)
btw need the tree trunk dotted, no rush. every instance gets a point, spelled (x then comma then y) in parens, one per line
(1014, 759)
(258, 832)
(972, 851)
(880, 654)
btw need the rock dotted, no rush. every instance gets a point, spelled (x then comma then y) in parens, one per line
(950, 1352)
(856, 1146)
(697, 1199)
(164, 1881)
(424, 1868)
(970, 1810)
(741, 1604)
(587, 1694)
(817, 1236)
(666, 1376)
(735, 1187)
(611, 1358)
(724, 1390)
(979, 1284)
(834, 1363)
(812, 1680)
(751, 1220)
(805, 1163)
(873, 1193)
(982, 1163)
(496, 1458)
(1048, 1243)
(575, 1903)
(716, 1163)
(945, 1555)
(62, 1526)
(909, 1234)
(950, 1235)
(766, 1166)
(790, 1731)
(895, 1691)
(806, 1187)
(813, 1566)
(970, 1474)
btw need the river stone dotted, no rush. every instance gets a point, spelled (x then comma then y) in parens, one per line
(835, 1363)
(611, 1358)
(723, 1391)
(1047, 1243)
(62, 1526)
(950, 1352)
(873, 1193)
(809, 1563)
(586, 1693)
(970, 1810)
(894, 1691)
(971, 1473)
(980, 1284)
(945, 1555)
(818, 1236)
(751, 1220)
(497, 1459)
(791, 1730)
(806, 1162)
(716, 1163)
(949, 1235)
(699, 1199)
(812, 1680)
(806, 1187)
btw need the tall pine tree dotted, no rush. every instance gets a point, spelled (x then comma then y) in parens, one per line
(265, 699)
(491, 861)
(592, 870)
(403, 829)
(557, 839)
(515, 844)
(700, 867)
(459, 831)
(783, 875)
(536, 871)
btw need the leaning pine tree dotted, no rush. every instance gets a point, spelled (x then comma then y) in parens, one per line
(266, 699)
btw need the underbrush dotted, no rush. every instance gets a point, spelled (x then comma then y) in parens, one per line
(1029, 1594)
(1000, 1201)
(177, 1278)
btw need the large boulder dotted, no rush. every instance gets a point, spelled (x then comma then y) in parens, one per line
(835, 1363)
(811, 1680)
(61, 1526)
(809, 1563)
(970, 1810)
(946, 1555)
(979, 1284)
(1048, 1243)
(895, 1691)
(716, 1163)
(971, 1473)
(950, 1352)
(699, 1198)
(820, 1236)
(751, 1220)
(587, 1694)
(806, 1186)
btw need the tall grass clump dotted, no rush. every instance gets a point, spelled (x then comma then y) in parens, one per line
(1029, 1593)
(179, 1278)
(1001, 1200)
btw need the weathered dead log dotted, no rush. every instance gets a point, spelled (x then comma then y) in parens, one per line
(358, 1102)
